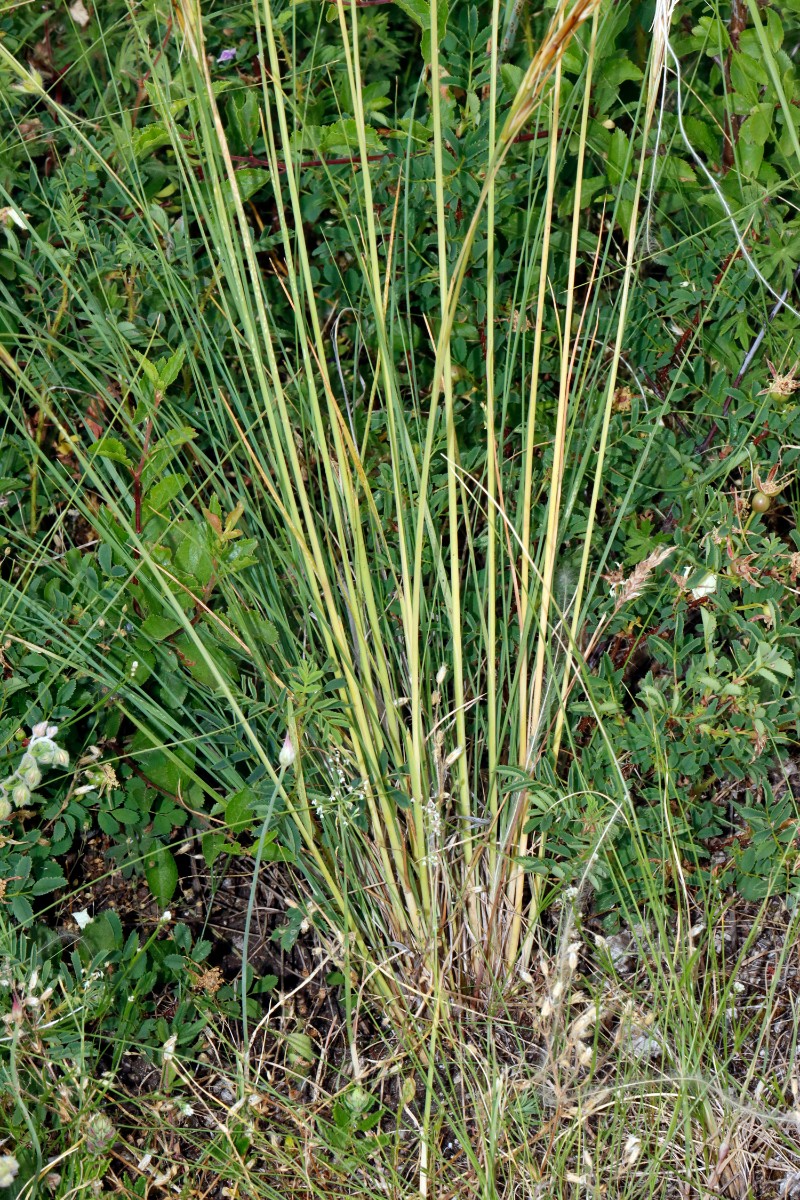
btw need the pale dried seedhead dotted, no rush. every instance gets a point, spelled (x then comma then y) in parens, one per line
(782, 385)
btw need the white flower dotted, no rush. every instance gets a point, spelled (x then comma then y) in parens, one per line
(166, 916)
(82, 918)
(706, 587)
(9, 1168)
(13, 215)
(633, 1148)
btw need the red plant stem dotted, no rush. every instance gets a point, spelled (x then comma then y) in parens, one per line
(250, 160)
(663, 374)
(141, 90)
(136, 474)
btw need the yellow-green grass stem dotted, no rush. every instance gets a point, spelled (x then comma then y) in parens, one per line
(492, 748)
(529, 718)
(565, 379)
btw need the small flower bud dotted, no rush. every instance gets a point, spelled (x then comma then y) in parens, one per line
(31, 776)
(20, 795)
(39, 730)
(5, 807)
(100, 1133)
(287, 754)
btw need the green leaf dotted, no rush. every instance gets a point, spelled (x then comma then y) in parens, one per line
(166, 769)
(48, 883)
(111, 447)
(300, 1048)
(512, 76)
(21, 908)
(197, 661)
(248, 182)
(103, 933)
(158, 627)
(213, 844)
(150, 369)
(239, 810)
(193, 556)
(244, 119)
(146, 140)
(162, 493)
(161, 873)
(169, 368)
(617, 156)
(342, 138)
(418, 10)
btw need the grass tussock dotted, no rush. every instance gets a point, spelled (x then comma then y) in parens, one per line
(401, 555)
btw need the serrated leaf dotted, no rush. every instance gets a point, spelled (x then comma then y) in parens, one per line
(150, 370)
(162, 493)
(193, 557)
(21, 908)
(512, 77)
(111, 447)
(158, 627)
(167, 770)
(48, 883)
(196, 661)
(300, 1047)
(201, 950)
(151, 138)
(169, 368)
